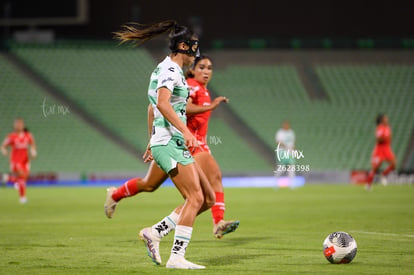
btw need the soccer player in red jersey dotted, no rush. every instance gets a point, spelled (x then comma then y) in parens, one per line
(20, 140)
(199, 108)
(382, 151)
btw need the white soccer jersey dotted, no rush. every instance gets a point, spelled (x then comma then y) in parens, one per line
(286, 138)
(168, 74)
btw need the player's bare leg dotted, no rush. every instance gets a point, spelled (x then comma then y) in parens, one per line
(389, 169)
(153, 179)
(211, 169)
(20, 183)
(376, 164)
(151, 236)
(186, 179)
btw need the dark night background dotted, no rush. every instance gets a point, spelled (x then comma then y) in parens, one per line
(232, 19)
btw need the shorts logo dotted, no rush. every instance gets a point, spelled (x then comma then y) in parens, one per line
(186, 154)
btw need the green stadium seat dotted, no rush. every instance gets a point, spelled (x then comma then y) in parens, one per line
(65, 142)
(110, 83)
(336, 134)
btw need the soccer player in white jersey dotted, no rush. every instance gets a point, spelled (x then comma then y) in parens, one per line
(285, 144)
(168, 93)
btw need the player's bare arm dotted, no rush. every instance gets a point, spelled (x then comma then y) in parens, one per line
(147, 155)
(33, 149)
(4, 148)
(193, 109)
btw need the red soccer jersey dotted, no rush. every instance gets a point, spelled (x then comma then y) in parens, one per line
(383, 132)
(382, 150)
(19, 142)
(198, 123)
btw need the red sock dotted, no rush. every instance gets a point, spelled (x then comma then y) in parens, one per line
(128, 189)
(370, 177)
(388, 170)
(21, 184)
(218, 208)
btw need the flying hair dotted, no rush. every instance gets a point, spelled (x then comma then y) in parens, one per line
(140, 33)
(379, 118)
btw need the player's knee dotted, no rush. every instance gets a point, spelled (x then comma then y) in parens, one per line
(210, 199)
(216, 178)
(196, 199)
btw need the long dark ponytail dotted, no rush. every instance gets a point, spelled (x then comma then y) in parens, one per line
(379, 118)
(140, 33)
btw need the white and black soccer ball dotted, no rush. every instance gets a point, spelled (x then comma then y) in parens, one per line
(339, 248)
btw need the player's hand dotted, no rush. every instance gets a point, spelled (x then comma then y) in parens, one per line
(147, 157)
(33, 153)
(216, 102)
(4, 152)
(190, 140)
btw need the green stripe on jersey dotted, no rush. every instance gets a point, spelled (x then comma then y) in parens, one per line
(161, 122)
(169, 75)
(152, 100)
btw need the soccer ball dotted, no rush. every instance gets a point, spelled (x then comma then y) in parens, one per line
(339, 248)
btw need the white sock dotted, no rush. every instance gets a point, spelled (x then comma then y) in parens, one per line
(165, 226)
(181, 240)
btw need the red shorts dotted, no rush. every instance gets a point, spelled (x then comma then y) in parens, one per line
(20, 166)
(202, 147)
(382, 153)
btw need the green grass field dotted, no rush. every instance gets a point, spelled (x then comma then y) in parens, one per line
(65, 231)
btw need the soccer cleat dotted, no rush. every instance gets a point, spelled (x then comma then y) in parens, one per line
(384, 180)
(224, 227)
(152, 244)
(110, 204)
(23, 200)
(368, 187)
(181, 263)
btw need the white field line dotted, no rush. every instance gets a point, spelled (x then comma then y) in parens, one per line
(383, 234)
